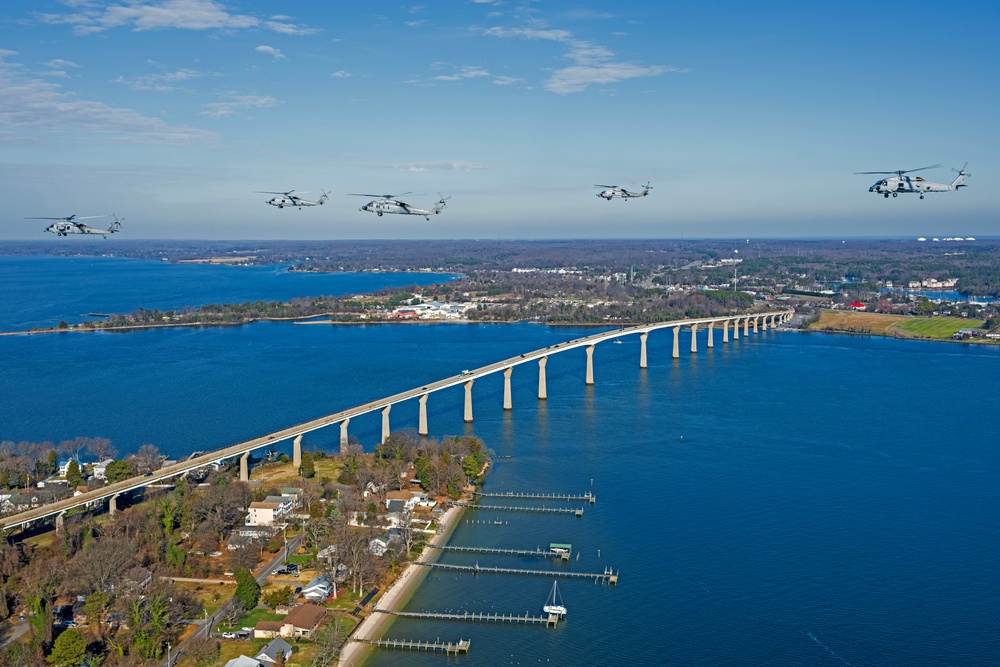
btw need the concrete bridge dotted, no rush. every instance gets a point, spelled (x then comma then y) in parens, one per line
(732, 326)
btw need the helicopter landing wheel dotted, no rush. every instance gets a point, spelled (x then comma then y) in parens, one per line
(921, 196)
(886, 195)
(380, 214)
(895, 194)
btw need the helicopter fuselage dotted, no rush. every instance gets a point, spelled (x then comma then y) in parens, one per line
(281, 201)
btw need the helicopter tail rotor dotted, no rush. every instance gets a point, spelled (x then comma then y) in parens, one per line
(959, 181)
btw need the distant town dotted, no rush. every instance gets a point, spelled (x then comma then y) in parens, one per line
(597, 282)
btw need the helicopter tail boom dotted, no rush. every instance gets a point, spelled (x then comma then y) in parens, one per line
(959, 181)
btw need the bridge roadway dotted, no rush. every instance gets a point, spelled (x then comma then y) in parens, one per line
(466, 378)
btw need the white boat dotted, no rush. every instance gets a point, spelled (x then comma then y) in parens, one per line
(553, 604)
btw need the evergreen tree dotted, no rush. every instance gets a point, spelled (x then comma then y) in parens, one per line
(308, 468)
(73, 475)
(69, 649)
(247, 589)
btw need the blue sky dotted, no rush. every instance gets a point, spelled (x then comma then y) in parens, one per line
(749, 119)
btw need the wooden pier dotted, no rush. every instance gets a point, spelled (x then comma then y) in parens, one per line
(609, 576)
(537, 552)
(588, 496)
(520, 508)
(548, 620)
(451, 648)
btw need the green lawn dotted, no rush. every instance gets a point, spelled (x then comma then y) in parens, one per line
(937, 327)
(251, 619)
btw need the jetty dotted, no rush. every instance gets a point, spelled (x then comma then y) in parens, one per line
(587, 497)
(548, 620)
(451, 648)
(609, 576)
(500, 551)
(520, 508)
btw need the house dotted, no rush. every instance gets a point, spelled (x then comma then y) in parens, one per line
(64, 465)
(100, 469)
(274, 648)
(302, 621)
(267, 629)
(379, 544)
(243, 661)
(373, 489)
(261, 514)
(284, 504)
(405, 499)
(138, 578)
(857, 305)
(295, 494)
(317, 589)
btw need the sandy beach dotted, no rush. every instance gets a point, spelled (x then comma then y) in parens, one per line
(396, 595)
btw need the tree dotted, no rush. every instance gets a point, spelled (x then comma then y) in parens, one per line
(118, 471)
(307, 468)
(203, 650)
(247, 588)
(69, 649)
(73, 475)
(278, 596)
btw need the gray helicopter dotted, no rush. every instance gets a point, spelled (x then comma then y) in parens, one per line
(390, 204)
(283, 199)
(611, 191)
(69, 225)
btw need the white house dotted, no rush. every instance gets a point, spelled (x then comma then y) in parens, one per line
(269, 654)
(100, 468)
(318, 588)
(262, 514)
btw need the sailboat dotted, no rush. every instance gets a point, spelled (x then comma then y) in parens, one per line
(554, 604)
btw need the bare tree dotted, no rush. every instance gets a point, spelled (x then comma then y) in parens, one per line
(102, 449)
(147, 459)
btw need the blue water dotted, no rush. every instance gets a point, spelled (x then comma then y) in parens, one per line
(833, 501)
(41, 291)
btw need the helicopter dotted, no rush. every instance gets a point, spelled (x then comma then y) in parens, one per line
(902, 183)
(69, 225)
(611, 191)
(390, 204)
(283, 199)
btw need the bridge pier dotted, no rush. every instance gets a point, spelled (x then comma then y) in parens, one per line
(422, 422)
(694, 338)
(59, 522)
(385, 422)
(542, 394)
(297, 451)
(508, 404)
(590, 364)
(642, 349)
(468, 402)
(677, 343)
(711, 334)
(725, 331)
(763, 322)
(746, 327)
(755, 327)
(245, 467)
(113, 505)
(343, 435)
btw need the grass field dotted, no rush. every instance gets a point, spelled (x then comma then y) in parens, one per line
(899, 326)
(937, 327)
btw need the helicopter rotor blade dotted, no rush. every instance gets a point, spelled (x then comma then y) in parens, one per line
(614, 187)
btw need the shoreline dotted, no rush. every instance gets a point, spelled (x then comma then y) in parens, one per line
(397, 594)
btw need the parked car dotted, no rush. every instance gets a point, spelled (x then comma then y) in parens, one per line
(229, 635)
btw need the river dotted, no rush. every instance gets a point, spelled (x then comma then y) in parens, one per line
(794, 499)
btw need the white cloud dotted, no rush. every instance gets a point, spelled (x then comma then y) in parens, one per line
(505, 80)
(59, 63)
(341, 74)
(31, 107)
(270, 51)
(435, 165)
(162, 82)
(165, 14)
(593, 63)
(234, 102)
(465, 72)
